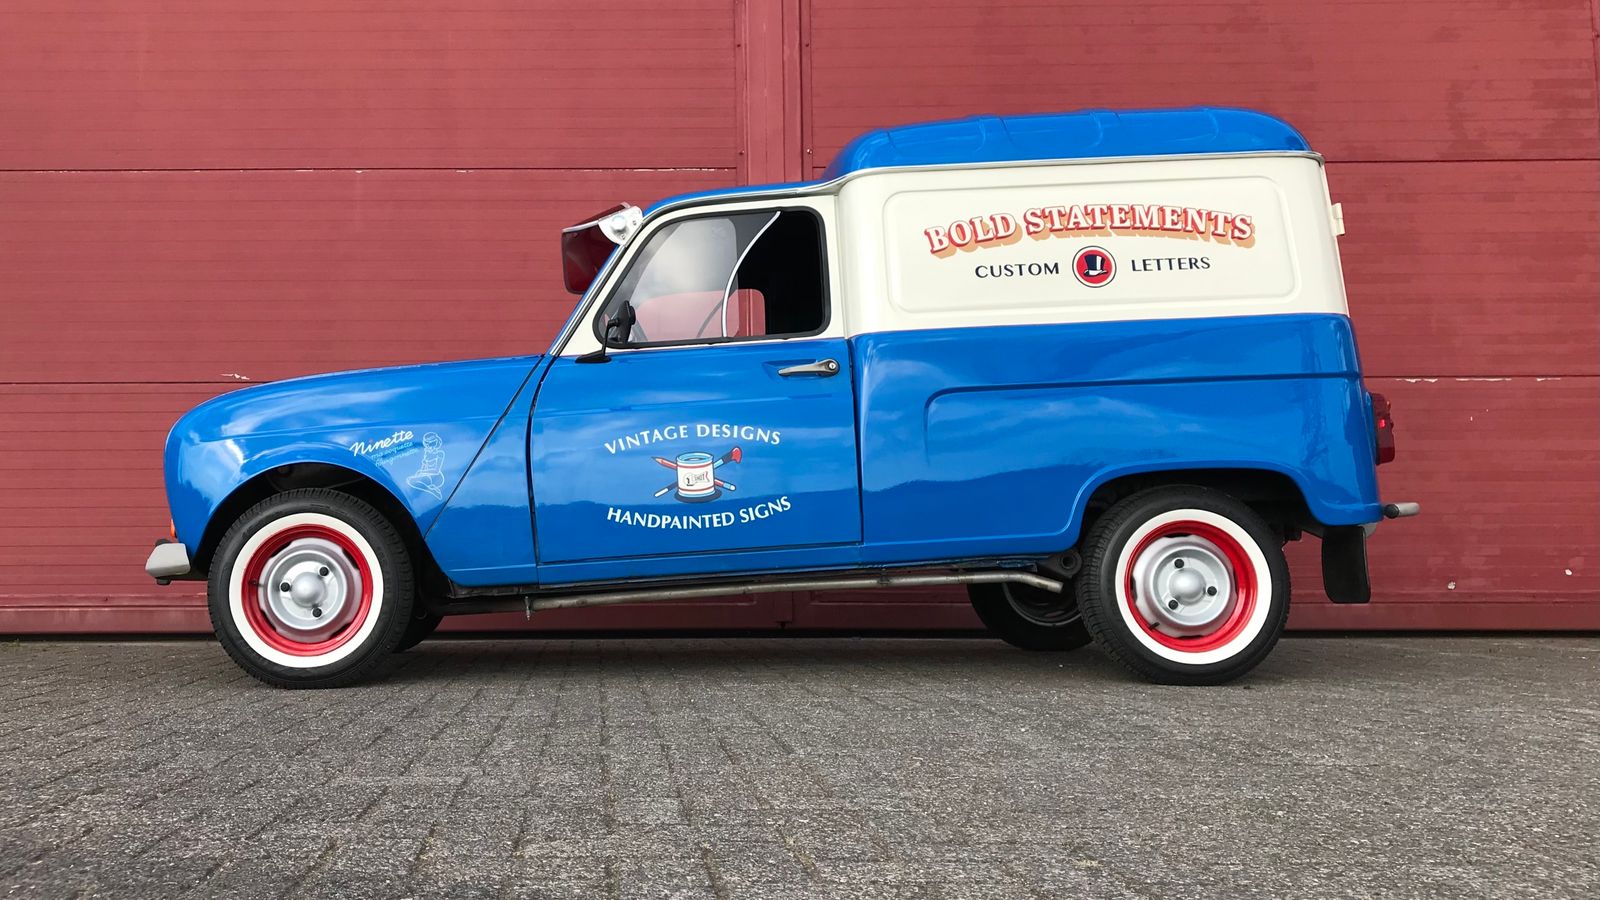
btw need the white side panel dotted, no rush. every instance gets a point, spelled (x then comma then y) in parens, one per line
(1088, 242)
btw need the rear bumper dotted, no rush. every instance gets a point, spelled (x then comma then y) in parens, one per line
(168, 560)
(1344, 556)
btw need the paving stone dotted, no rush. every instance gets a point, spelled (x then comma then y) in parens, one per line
(803, 768)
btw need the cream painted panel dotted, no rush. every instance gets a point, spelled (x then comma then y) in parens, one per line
(1194, 237)
(1189, 242)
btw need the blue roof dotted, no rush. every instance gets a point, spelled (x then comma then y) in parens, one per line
(1074, 135)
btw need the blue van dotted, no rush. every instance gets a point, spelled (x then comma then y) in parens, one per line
(1097, 367)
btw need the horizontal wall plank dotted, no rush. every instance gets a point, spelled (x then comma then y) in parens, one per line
(1427, 80)
(358, 83)
(254, 276)
(1481, 269)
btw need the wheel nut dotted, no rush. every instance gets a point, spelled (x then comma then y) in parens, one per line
(1171, 603)
(323, 571)
(1211, 591)
(1177, 564)
(316, 612)
(284, 586)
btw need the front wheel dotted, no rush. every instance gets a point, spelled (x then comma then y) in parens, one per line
(417, 630)
(1028, 617)
(310, 588)
(1184, 585)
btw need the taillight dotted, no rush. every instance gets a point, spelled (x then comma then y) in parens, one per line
(1383, 428)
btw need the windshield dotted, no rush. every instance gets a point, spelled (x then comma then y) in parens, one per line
(586, 245)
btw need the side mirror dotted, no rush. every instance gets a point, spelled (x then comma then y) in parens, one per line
(617, 333)
(623, 323)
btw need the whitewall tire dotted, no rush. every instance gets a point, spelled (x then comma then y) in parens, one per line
(1184, 585)
(310, 588)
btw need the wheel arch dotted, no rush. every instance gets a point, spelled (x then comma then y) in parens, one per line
(290, 476)
(1274, 494)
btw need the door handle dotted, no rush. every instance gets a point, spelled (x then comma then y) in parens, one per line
(823, 367)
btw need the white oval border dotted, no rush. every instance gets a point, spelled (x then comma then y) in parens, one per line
(1264, 588)
(236, 599)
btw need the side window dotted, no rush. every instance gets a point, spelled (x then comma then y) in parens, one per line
(713, 278)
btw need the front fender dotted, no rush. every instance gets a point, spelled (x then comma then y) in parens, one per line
(413, 430)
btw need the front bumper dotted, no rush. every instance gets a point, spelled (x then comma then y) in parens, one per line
(167, 561)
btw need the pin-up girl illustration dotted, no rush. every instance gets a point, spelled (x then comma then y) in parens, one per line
(430, 475)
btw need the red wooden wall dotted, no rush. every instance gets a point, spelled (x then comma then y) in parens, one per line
(196, 196)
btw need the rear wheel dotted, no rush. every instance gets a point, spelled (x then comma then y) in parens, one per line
(1184, 585)
(1029, 617)
(310, 588)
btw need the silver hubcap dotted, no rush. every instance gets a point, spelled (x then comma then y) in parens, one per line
(1040, 607)
(1182, 585)
(310, 590)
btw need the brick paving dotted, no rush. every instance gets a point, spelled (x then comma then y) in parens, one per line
(799, 768)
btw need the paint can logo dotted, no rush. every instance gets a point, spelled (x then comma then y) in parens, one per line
(697, 477)
(694, 476)
(1094, 267)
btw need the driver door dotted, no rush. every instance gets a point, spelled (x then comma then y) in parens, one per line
(723, 421)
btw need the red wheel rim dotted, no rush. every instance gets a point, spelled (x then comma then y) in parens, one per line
(250, 591)
(1245, 587)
